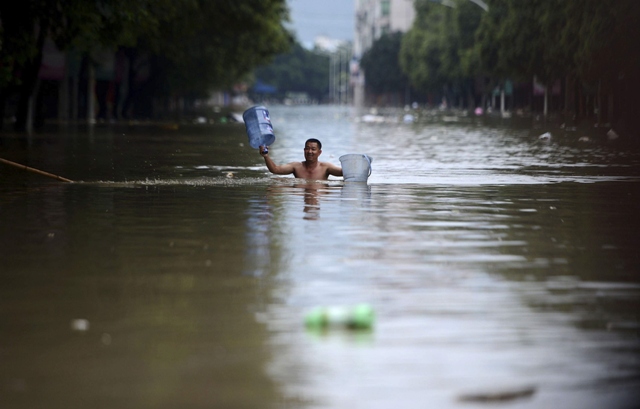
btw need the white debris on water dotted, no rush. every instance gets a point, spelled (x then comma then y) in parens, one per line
(80, 324)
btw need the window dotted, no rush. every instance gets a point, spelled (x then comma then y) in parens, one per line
(385, 8)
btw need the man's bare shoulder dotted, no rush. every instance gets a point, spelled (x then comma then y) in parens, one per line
(328, 165)
(331, 169)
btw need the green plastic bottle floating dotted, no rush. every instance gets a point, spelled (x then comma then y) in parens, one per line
(360, 316)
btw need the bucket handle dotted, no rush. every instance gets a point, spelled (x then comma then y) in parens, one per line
(368, 160)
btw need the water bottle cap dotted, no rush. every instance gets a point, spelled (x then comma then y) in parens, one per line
(362, 316)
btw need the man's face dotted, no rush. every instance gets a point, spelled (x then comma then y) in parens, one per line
(311, 151)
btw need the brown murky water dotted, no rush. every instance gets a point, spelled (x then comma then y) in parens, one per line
(504, 270)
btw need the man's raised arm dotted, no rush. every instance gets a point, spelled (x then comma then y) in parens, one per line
(286, 169)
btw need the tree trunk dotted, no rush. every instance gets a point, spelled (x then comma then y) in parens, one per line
(29, 80)
(610, 107)
(598, 103)
(32, 108)
(130, 91)
(569, 100)
(63, 93)
(75, 95)
(91, 86)
(3, 101)
(471, 102)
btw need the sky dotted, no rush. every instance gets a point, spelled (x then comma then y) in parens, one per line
(331, 18)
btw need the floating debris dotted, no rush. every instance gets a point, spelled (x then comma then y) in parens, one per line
(498, 395)
(360, 316)
(373, 118)
(80, 324)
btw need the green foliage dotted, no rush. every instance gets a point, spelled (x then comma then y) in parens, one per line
(299, 70)
(381, 65)
(467, 18)
(203, 43)
(515, 39)
(81, 24)
(552, 39)
(439, 48)
(420, 55)
(216, 43)
(603, 37)
(17, 41)
(454, 40)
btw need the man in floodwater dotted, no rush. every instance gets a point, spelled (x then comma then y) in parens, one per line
(311, 168)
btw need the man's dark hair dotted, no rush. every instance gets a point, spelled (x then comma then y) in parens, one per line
(315, 141)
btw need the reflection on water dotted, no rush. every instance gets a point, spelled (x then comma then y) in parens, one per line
(257, 255)
(453, 274)
(500, 268)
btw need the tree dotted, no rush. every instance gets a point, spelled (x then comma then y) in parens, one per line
(381, 65)
(215, 43)
(299, 70)
(437, 52)
(69, 23)
(196, 45)
(590, 43)
(421, 51)
(593, 41)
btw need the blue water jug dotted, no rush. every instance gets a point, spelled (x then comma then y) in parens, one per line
(259, 128)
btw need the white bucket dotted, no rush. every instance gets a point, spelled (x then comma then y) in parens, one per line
(356, 167)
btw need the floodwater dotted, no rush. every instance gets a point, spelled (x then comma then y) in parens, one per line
(176, 272)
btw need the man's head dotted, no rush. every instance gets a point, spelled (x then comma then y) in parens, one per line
(313, 140)
(312, 149)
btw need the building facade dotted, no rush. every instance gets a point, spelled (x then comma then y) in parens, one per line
(373, 19)
(377, 17)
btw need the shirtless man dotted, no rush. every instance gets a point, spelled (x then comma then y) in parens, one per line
(311, 168)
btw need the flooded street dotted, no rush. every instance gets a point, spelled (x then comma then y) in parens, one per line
(176, 272)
